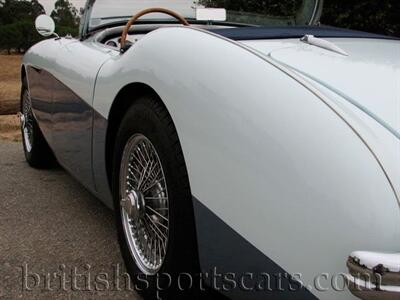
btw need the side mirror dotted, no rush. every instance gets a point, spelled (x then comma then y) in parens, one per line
(45, 25)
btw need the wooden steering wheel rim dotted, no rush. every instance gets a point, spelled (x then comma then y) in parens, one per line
(149, 11)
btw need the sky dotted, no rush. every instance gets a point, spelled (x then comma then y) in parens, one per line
(49, 4)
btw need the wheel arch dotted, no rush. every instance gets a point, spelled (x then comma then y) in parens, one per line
(247, 137)
(124, 99)
(24, 76)
(23, 72)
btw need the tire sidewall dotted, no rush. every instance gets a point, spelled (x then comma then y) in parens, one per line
(40, 156)
(143, 119)
(29, 155)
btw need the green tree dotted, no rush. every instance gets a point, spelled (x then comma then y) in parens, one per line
(17, 30)
(28, 33)
(12, 11)
(65, 14)
(10, 37)
(378, 16)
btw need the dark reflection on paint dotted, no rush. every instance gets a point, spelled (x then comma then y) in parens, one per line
(40, 89)
(72, 133)
(66, 122)
(100, 126)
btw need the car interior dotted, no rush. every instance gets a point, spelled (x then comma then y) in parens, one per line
(123, 37)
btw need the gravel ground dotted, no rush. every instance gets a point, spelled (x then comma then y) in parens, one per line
(56, 240)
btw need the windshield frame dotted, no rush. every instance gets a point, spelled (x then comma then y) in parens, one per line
(85, 30)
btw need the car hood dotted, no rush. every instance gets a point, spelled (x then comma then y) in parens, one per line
(369, 77)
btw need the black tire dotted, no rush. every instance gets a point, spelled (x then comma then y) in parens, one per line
(149, 118)
(39, 155)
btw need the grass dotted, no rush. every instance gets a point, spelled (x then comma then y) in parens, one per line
(10, 86)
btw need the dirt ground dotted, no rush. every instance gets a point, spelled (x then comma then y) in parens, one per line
(10, 128)
(9, 97)
(9, 83)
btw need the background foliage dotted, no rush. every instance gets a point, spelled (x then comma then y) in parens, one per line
(17, 31)
(17, 17)
(377, 16)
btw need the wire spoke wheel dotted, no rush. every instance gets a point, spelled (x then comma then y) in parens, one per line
(27, 121)
(144, 204)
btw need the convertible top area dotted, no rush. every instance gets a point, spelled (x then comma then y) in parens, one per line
(249, 33)
(286, 32)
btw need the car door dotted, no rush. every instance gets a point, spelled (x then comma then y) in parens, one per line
(76, 69)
